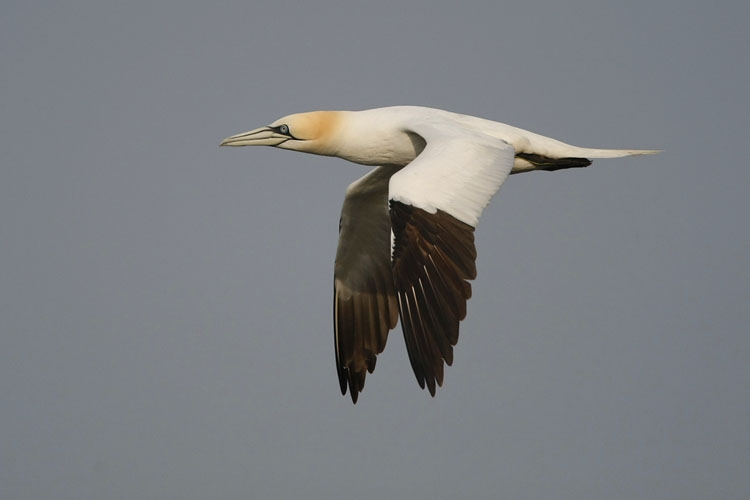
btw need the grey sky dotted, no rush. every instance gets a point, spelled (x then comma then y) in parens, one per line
(165, 305)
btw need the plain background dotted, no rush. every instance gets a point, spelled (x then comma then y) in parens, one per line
(165, 305)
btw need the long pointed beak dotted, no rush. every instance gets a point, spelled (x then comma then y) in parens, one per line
(264, 136)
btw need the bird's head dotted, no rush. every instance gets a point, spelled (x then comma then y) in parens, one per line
(312, 132)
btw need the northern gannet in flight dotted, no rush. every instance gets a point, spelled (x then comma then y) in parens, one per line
(406, 233)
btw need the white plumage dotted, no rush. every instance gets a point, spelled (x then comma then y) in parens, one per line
(406, 242)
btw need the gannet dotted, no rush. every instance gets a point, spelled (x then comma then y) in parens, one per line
(406, 234)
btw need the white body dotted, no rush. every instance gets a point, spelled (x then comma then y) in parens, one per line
(387, 143)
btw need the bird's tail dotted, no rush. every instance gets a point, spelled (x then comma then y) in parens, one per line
(579, 158)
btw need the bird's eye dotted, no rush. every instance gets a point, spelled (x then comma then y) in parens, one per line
(284, 129)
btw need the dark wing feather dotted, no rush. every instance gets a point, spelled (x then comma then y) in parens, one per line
(364, 307)
(433, 259)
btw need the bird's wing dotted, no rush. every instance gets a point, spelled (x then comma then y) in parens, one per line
(435, 203)
(364, 306)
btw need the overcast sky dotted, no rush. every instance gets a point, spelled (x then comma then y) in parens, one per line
(165, 305)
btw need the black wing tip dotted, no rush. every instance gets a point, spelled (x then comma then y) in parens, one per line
(354, 383)
(431, 386)
(355, 395)
(429, 383)
(342, 383)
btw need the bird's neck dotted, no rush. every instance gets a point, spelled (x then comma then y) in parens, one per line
(367, 140)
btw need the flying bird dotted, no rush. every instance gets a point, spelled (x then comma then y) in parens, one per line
(406, 234)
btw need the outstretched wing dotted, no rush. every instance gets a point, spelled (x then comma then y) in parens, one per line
(435, 203)
(364, 306)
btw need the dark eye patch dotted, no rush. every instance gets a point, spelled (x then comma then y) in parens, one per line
(282, 129)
